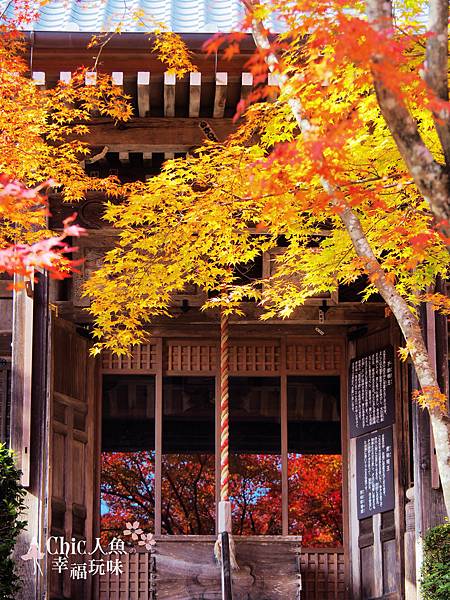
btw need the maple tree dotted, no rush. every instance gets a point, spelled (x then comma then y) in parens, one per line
(315, 498)
(40, 132)
(326, 165)
(188, 492)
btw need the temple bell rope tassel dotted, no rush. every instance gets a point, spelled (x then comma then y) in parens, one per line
(224, 504)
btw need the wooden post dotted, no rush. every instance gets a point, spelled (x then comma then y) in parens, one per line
(227, 592)
(355, 558)
(284, 443)
(28, 426)
(158, 439)
(429, 508)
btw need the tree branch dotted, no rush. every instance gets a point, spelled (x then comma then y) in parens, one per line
(430, 177)
(436, 73)
(406, 319)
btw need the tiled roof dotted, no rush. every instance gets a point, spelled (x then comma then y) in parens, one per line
(183, 16)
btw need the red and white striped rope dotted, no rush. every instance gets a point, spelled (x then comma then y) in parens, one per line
(224, 410)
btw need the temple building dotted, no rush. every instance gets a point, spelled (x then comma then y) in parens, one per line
(332, 469)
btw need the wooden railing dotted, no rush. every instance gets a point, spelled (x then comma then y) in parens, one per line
(184, 570)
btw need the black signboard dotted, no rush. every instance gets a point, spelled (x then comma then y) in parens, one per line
(375, 473)
(371, 392)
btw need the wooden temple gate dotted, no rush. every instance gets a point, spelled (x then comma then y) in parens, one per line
(64, 464)
(272, 566)
(180, 566)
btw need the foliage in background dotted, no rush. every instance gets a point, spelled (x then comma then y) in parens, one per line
(188, 494)
(40, 139)
(435, 584)
(11, 507)
(349, 166)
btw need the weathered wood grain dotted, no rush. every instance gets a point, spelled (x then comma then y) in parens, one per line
(154, 134)
(269, 569)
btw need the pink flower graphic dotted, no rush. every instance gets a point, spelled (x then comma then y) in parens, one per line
(34, 554)
(133, 529)
(147, 540)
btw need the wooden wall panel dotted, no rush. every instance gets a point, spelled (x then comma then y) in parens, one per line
(79, 471)
(323, 574)
(314, 357)
(255, 357)
(143, 359)
(58, 464)
(252, 357)
(190, 357)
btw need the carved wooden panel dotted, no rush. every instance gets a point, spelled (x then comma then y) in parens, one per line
(143, 358)
(89, 211)
(91, 251)
(255, 357)
(323, 574)
(137, 582)
(311, 358)
(190, 357)
(246, 358)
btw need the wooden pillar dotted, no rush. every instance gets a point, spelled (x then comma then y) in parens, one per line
(429, 506)
(353, 507)
(284, 441)
(158, 438)
(29, 387)
(345, 469)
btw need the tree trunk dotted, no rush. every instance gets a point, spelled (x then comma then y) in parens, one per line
(430, 177)
(410, 327)
(406, 319)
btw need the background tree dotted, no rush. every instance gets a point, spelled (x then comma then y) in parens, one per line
(39, 138)
(318, 166)
(188, 495)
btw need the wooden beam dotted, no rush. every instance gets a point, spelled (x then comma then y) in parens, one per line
(354, 550)
(169, 94)
(117, 78)
(154, 134)
(90, 78)
(274, 86)
(143, 92)
(246, 85)
(345, 461)
(378, 556)
(65, 77)
(195, 82)
(220, 97)
(39, 79)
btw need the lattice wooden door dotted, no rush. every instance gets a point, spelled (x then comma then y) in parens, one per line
(71, 463)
